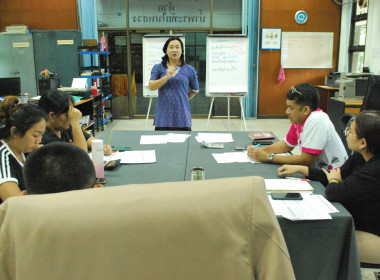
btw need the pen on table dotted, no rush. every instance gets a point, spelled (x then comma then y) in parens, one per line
(299, 179)
(109, 138)
(121, 149)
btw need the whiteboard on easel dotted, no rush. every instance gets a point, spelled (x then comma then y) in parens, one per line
(227, 65)
(152, 54)
(307, 49)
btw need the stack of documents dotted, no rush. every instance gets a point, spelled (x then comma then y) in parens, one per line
(132, 157)
(232, 157)
(312, 207)
(284, 185)
(164, 139)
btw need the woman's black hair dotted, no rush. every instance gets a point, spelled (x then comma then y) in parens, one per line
(165, 58)
(368, 127)
(22, 117)
(55, 101)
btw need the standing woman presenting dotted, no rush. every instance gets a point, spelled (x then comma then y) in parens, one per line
(177, 83)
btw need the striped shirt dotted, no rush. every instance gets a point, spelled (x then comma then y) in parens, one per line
(10, 167)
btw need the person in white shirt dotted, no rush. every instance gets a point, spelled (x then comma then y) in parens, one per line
(311, 130)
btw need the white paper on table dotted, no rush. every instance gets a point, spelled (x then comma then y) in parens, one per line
(323, 202)
(36, 98)
(163, 139)
(215, 137)
(153, 139)
(176, 138)
(232, 157)
(113, 156)
(283, 185)
(134, 157)
(310, 208)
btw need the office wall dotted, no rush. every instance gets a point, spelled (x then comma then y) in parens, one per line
(160, 13)
(323, 16)
(39, 14)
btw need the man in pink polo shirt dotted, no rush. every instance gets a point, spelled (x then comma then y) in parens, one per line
(311, 129)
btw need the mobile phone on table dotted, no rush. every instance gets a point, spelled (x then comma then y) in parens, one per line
(100, 180)
(262, 142)
(286, 196)
(240, 148)
(112, 164)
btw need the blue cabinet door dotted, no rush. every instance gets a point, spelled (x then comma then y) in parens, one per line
(6, 66)
(17, 60)
(57, 51)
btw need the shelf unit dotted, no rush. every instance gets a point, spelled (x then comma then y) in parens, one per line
(103, 80)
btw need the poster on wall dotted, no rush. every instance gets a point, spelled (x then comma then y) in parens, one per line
(307, 49)
(270, 38)
(168, 13)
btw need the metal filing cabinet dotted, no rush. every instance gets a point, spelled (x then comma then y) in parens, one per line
(56, 50)
(17, 60)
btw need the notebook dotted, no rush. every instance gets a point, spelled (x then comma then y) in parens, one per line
(261, 135)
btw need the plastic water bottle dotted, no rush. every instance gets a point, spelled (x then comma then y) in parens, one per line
(24, 97)
(97, 157)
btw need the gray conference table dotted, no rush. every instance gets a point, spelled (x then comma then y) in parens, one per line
(318, 249)
(170, 166)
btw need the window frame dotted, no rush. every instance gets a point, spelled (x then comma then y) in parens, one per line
(356, 48)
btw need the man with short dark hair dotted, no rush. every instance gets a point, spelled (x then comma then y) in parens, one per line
(311, 129)
(58, 167)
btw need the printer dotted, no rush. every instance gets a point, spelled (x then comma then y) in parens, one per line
(78, 88)
(332, 79)
(352, 85)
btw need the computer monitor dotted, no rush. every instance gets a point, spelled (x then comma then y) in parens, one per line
(10, 86)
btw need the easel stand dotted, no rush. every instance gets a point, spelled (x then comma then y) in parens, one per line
(147, 114)
(228, 109)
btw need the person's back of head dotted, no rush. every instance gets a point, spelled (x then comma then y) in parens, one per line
(368, 127)
(55, 101)
(58, 167)
(304, 95)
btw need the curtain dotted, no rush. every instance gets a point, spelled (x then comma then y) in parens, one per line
(253, 34)
(88, 22)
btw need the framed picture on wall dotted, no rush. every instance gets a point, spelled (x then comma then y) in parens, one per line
(271, 38)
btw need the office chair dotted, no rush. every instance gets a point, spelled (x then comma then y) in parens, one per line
(372, 97)
(208, 229)
(371, 102)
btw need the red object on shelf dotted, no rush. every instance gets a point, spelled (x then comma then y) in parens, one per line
(94, 91)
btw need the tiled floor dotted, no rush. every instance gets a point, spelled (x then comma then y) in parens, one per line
(278, 126)
(369, 273)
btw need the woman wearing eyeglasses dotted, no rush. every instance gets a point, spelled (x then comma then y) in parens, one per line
(357, 183)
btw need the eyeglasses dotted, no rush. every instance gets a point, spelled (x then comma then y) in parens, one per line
(293, 89)
(347, 131)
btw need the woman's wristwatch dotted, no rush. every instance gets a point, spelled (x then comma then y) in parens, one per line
(271, 158)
